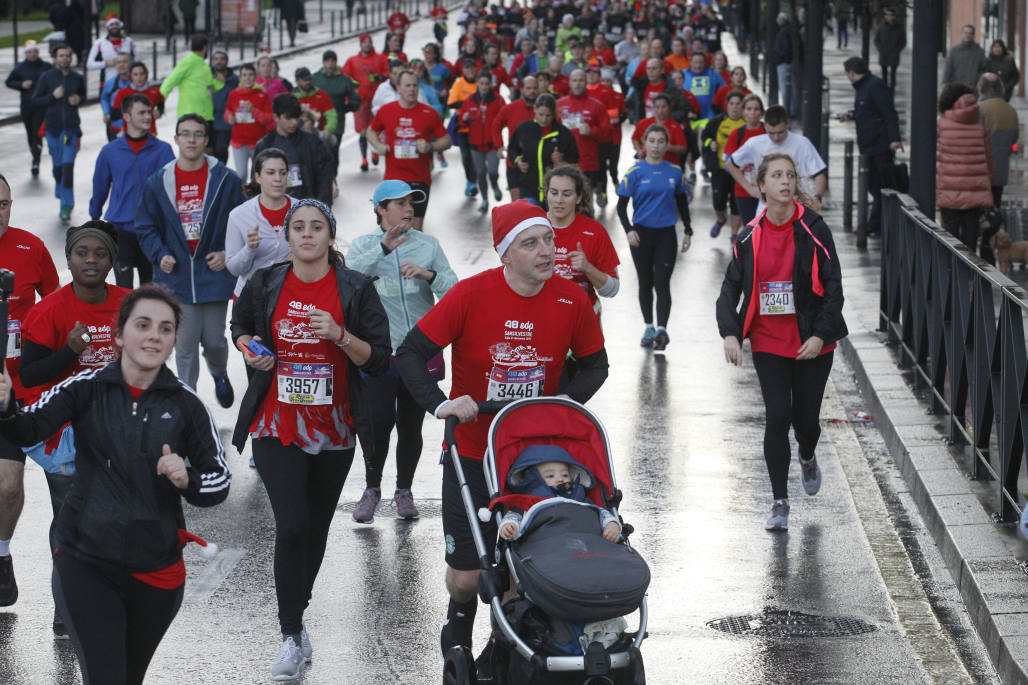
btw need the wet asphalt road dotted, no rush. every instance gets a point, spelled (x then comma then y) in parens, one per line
(686, 431)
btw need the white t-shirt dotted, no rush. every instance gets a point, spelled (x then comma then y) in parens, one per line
(803, 153)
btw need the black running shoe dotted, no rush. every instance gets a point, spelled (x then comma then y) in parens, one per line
(60, 632)
(661, 341)
(8, 585)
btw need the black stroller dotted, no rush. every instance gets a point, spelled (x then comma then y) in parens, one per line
(573, 586)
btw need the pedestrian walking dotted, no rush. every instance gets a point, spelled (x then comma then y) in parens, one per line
(23, 79)
(303, 407)
(843, 10)
(965, 61)
(122, 170)
(786, 269)
(963, 164)
(656, 190)
(539, 145)
(180, 224)
(195, 82)
(69, 331)
(59, 93)
(1002, 126)
(494, 360)
(1001, 62)
(34, 273)
(478, 113)
(106, 49)
(890, 39)
(291, 12)
(782, 56)
(411, 272)
(752, 114)
(310, 162)
(118, 575)
(188, 9)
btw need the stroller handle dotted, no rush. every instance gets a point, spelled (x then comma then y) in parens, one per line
(489, 407)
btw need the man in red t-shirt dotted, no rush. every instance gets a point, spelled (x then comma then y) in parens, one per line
(407, 133)
(678, 144)
(510, 117)
(587, 118)
(599, 84)
(34, 273)
(511, 329)
(398, 23)
(368, 69)
(248, 110)
(139, 82)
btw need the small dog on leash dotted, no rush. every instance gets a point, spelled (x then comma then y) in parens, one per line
(1007, 251)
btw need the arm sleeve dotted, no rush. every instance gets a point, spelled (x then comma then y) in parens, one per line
(607, 517)
(592, 372)
(374, 330)
(731, 288)
(626, 223)
(43, 94)
(412, 362)
(829, 320)
(682, 202)
(147, 227)
(364, 254)
(445, 278)
(94, 61)
(41, 365)
(238, 257)
(244, 309)
(101, 185)
(499, 122)
(13, 80)
(172, 79)
(55, 408)
(209, 475)
(325, 172)
(331, 119)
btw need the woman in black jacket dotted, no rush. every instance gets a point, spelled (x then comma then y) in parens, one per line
(322, 325)
(787, 271)
(118, 572)
(539, 145)
(1001, 62)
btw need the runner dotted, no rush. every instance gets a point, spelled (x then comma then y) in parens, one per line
(512, 115)
(106, 49)
(59, 93)
(538, 145)
(461, 89)
(398, 23)
(656, 189)
(23, 79)
(713, 138)
(793, 319)
(139, 82)
(511, 329)
(703, 82)
(368, 69)
(439, 15)
(319, 113)
(589, 123)
(479, 112)
(599, 84)
(343, 91)
(195, 82)
(407, 133)
(736, 83)
(678, 145)
(118, 571)
(68, 331)
(255, 236)
(120, 79)
(310, 161)
(411, 271)
(303, 420)
(122, 169)
(248, 110)
(34, 273)
(752, 114)
(268, 79)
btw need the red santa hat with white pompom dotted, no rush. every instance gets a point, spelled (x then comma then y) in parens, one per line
(511, 219)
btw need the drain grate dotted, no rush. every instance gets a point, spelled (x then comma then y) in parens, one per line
(791, 624)
(428, 508)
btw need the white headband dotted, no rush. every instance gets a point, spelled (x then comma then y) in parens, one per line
(523, 225)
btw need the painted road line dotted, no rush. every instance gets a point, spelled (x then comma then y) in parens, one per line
(930, 641)
(218, 568)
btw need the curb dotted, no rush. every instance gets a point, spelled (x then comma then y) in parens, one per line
(979, 552)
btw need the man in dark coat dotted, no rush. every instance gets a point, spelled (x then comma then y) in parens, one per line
(23, 79)
(890, 40)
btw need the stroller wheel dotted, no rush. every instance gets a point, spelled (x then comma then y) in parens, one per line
(459, 668)
(636, 666)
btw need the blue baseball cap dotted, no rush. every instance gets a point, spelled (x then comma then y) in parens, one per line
(394, 190)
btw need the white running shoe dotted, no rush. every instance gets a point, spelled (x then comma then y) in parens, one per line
(305, 644)
(289, 664)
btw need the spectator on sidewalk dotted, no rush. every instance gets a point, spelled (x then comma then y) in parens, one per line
(878, 133)
(1000, 121)
(292, 14)
(965, 61)
(963, 163)
(188, 8)
(122, 169)
(23, 78)
(195, 82)
(59, 93)
(842, 19)
(107, 48)
(782, 56)
(890, 39)
(119, 80)
(310, 162)
(1001, 62)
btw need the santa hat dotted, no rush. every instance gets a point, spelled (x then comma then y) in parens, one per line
(112, 19)
(209, 550)
(511, 219)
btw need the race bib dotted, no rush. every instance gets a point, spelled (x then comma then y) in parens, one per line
(13, 339)
(191, 223)
(776, 298)
(294, 178)
(307, 384)
(244, 117)
(616, 30)
(405, 149)
(516, 384)
(573, 120)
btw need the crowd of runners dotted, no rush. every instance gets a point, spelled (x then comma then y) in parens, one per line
(231, 230)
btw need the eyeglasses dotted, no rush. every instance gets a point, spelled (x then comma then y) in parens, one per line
(195, 135)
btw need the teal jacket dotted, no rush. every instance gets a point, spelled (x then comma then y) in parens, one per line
(405, 301)
(193, 77)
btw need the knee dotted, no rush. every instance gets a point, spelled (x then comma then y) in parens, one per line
(461, 585)
(778, 421)
(292, 531)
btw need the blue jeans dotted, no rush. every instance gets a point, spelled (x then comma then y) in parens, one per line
(63, 147)
(784, 85)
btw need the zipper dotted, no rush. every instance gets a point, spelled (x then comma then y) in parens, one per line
(203, 225)
(403, 296)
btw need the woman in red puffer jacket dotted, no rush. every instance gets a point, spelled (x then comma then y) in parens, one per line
(963, 163)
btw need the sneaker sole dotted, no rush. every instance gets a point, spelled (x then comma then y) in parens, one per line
(287, 678)
(11, 601)
(776, 528)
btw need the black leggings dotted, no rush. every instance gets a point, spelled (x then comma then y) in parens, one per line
(654, 262)
(115, 621)
(609, 155)
(391, 405)
(304, 491)
(792, 392)
(130, 259)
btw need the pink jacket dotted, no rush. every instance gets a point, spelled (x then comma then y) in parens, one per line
(963, 158)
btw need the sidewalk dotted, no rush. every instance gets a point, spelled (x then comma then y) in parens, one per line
(326, 19)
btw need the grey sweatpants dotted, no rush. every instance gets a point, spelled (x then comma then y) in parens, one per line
(487, 166)
(201, 323)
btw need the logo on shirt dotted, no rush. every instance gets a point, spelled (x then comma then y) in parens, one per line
(23, 247)
(515, 356)
(564, 300)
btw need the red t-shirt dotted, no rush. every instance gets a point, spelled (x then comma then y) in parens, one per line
(152, 93)
(774, 329)
(652, 91)
(34, 272)
(674, 129)
(596, 244)
(574, 111)
(721, 96)
(733, 144)
(399, 128)
(276, 217)
(190, 188)
(251, 125)
(398, 23)
(309, 380)
(506, 346)
(368, 71)
(136, 145)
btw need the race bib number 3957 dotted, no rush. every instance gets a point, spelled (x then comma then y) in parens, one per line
(516, 384)
(309, 384)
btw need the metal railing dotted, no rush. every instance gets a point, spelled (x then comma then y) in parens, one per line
(959, 325)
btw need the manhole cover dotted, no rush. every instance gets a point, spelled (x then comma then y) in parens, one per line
(791, 624)
(428, 508)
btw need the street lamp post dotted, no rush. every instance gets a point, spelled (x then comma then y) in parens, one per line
(773, 7)
(812, 104)
(924, 92)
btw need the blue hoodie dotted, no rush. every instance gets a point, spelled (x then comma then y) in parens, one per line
(117, 161)
(160, 234)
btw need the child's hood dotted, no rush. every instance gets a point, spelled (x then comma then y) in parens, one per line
(539, 454)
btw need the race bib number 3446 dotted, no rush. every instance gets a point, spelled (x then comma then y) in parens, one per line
(516, 384)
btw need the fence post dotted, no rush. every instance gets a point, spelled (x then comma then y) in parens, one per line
(321, 11)
(242, 46)
(862, 204)
(281, 41)
(174, 53)
(256, 42)
(153, 51)
(332, 22)
(847, 188)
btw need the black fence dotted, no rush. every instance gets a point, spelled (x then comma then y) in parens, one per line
(959, 325)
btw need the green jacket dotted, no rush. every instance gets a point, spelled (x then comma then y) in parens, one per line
(193, 77)
(343, 91)
(405, 300)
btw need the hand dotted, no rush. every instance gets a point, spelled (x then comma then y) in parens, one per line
(523, 166)
(733, 350)
(423, 146)
(262, 363)
(508, 531)
(686, 242)
(811, 348)
(612, 531)
(74, 101)
(253, 238)
(215, 260)
(58, 92)
(383, 149)
(464, 408)
(75, 340)
(410, 271)
(713, 145)
(501, 153)
(5, 387)
(556, 157)
(232, 119)
(896, 146)
(25, 85)
(246, 106)
(394, 236)
(584, 129)
(324, 326)
(466, 117)
(167, 264)
(110, 62)
(173, 467)
(579, 262)
(751, 189)
(633, 238)
(107, 117)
